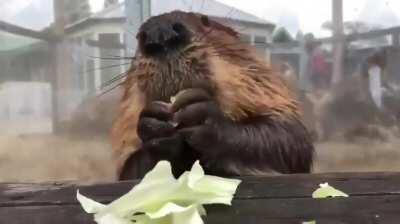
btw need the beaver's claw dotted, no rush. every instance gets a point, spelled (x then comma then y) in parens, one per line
(201, 122)
(158, 135)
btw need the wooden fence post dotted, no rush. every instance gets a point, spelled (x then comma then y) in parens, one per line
(338, 41)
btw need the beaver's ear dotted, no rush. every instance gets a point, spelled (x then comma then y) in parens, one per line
(205, 21)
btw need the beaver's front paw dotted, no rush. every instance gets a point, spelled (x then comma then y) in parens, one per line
(158, 135)
(200, 121)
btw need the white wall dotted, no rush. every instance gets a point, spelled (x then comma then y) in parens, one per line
(93, 33)
(25, 108)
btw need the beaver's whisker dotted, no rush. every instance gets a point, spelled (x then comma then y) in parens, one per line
(115, 78)
(221, 47)
(230, 50)
(223, 52)
(230, 12)
(207, 46)
(192, 48)
(107, 67)
(227, 45)
(117, 58)
(130, 32)
(204, 35)
(242, 29)
(109, 90)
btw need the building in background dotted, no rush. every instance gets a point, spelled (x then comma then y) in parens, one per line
(80, 71)
(74, 65)
(75, 10)
(104, 34)
(108, 3)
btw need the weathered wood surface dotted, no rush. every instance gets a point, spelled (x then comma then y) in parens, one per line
(374, 198)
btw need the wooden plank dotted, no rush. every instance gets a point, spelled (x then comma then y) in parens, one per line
(374, 198)
(352, 211)
(66, 214)
(285, 186)
(360, 207)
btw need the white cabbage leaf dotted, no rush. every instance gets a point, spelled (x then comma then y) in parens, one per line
(325, 190)
(161, 199)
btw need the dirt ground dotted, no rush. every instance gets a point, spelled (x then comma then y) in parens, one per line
(364, 156)
(50, 158)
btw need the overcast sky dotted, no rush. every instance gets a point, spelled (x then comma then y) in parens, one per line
(306, 15)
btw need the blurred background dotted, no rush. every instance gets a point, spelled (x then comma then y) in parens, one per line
(61, 62)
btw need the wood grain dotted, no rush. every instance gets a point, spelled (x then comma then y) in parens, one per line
(374, 198)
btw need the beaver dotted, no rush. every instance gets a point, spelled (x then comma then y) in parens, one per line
(232, 111)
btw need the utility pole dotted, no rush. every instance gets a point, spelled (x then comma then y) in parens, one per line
(58, 31)
(338, 41)
(59, 17)
(136, 11)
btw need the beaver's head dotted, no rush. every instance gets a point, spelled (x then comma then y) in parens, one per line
(176, 51)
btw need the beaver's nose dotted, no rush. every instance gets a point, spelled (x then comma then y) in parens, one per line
(163, 38)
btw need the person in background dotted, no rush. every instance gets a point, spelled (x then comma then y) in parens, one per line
(319, 67)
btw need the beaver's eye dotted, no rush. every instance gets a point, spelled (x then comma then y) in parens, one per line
(205, 20)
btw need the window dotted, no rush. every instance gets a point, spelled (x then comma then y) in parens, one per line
(260, 43)
(79, 77)
(260, 39)
(262, 51)
(109, 68)
(245, 38)
(90, 84)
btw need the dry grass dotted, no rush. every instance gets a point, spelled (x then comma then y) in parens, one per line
(50, 158)
(363, 156)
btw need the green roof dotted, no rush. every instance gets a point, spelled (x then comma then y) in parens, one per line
(13, 42)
